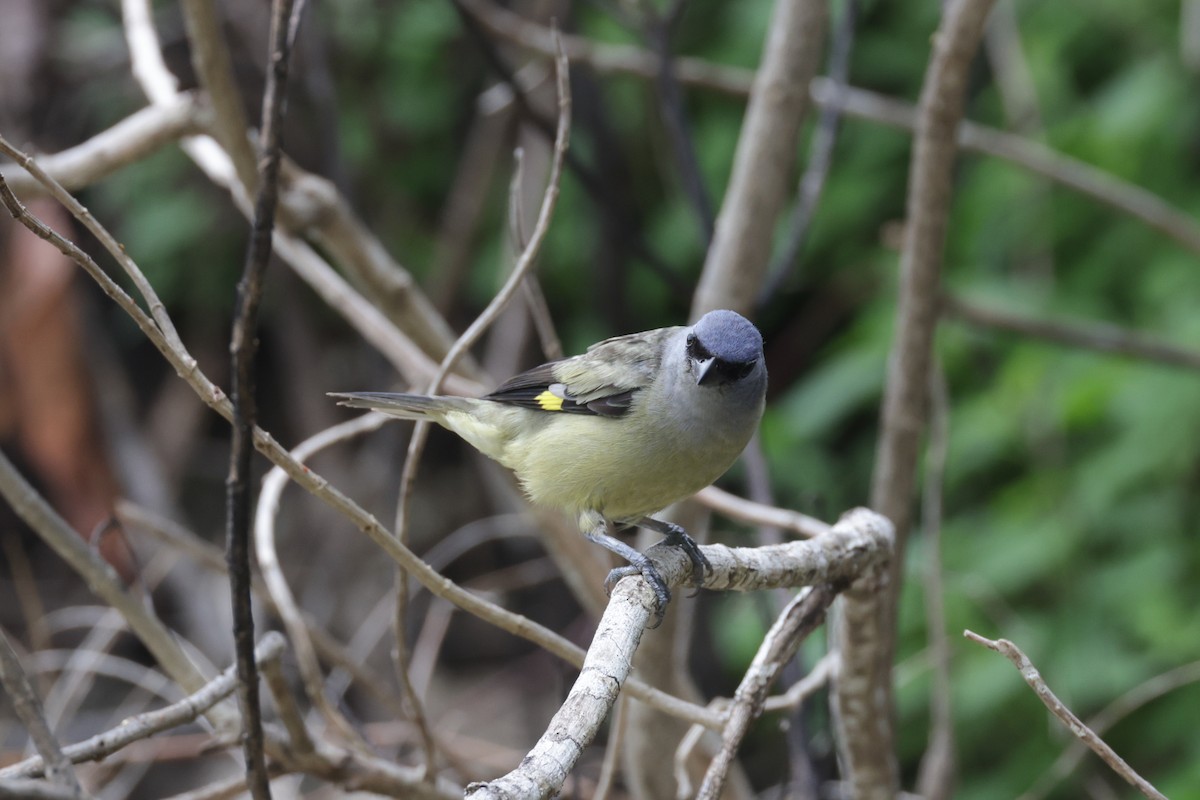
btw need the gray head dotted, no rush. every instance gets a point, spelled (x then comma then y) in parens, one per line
(724, 348)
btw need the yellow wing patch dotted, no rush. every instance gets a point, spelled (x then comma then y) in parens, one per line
(548, 401)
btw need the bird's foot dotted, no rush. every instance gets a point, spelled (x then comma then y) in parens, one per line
(641, 565)
(676, 536)
(638, 565)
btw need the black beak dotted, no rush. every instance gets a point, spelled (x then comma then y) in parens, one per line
(703, 368)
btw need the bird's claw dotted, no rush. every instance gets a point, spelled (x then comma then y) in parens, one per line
(640, 564)
(678, 537)
(647, 570)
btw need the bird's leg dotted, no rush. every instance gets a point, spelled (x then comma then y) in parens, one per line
(638, 565)
(678, 537)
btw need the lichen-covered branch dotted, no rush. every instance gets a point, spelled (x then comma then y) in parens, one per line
(860, 544)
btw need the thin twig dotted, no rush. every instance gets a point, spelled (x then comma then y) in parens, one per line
(683, 146)
(244, 348)
(1082, 732)
(146, 725)
(798, 620)
(820, 158)
(28, 708)
(740, 253)
(214, 70)
(1113, 713)
(297, 627)
(748, 511)
(935, 779)
(524, 264)
(817, 677)
(535, 299)
(683, 753)
(293, 721)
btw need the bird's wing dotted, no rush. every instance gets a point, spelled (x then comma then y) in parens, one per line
(603, 381)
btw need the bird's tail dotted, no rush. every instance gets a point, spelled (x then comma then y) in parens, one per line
(405, 406)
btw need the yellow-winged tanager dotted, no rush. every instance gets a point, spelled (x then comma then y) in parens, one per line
(636, 423)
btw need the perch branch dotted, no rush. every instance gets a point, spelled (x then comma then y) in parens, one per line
(857, 544)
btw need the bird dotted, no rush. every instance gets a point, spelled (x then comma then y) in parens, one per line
(618, 433)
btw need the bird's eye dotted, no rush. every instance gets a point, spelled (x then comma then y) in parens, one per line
(695, 349)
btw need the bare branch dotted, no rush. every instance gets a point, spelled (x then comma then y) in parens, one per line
(297, 627)
(858, 544)
(743, 510)
(244, 349)
(1082, 732)
(741, 249)
(1113, 713)
(29, 710)
(800, 618)
(146, 725)
(935, 779)
(132, 139)
(211, 61)
(868, 751)
(102, 580)
(1091, 336)
(293, 721)
(812, 182)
